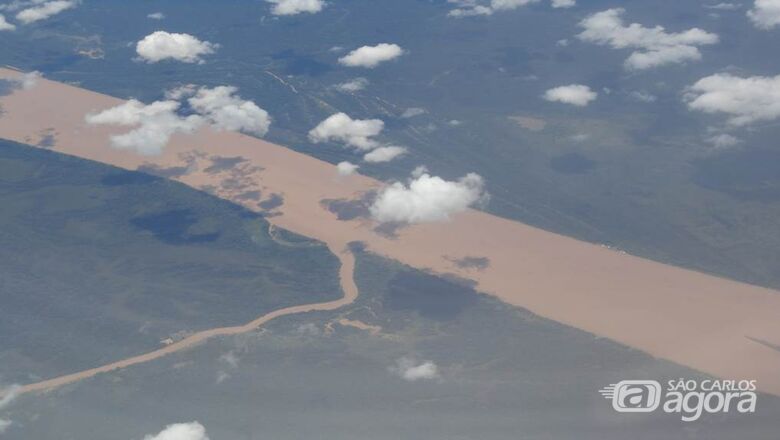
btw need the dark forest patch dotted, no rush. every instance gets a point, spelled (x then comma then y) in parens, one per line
(173, 227)
(431, 296)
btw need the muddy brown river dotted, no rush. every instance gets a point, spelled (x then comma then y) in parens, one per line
(711, 324)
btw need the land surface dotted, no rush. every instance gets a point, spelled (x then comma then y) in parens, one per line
(350, 294)
(502, 373)
(101, 264)
(702, 321)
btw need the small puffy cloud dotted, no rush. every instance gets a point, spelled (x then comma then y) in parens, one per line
(765, 14)
(230, 358)
(155, 124)
(427, 198)
(529, 123)
(346, 168)
(44, 10)
(470, 11)
(580, 137)
(5, 25)
(412, 112)
(293, 7)
(470, 8)
(8, 395)
(353, 132)
(222, 376)
(163, 45)
(310, 328)
(371, 56)
(26, 81)
(723, 140)
(563, 3)
(180, 431)
(419, 170)
(653, 47)
(181, 92)
(384, 154)
(412, 371)
(30, 79)
(131, 112)
(642, 96)
(227, 111)
(156, 16)
(723, 6)
(745, 100)
(496, 4)
(353, 85)
(506, 5)
(574, 94)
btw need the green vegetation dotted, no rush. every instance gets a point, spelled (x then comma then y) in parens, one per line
(502, 373)
(98, 263)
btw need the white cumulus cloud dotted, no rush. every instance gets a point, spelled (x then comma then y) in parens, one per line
(744, 100)
(163, 45)
(563, 3)
(27, 80)
(653, 47)
(346, 168)
(723, 6)
(227, 111)
(5, 25)
(470, 11)
(8, 395)
(230, 358)
(642, 96)
(353, 85)
(44, 10)
(419, 171)
(411, 370)
(509, 4)
(180, 431)
(723, 140)
(470, 8)
(293, 7)
(412, 112)
(30, 79)
(155, 123)
(371, 56)
(384, 154)
(765, 14)
(427, 198)
(574, 94)
(156, 16)
(340, 127)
